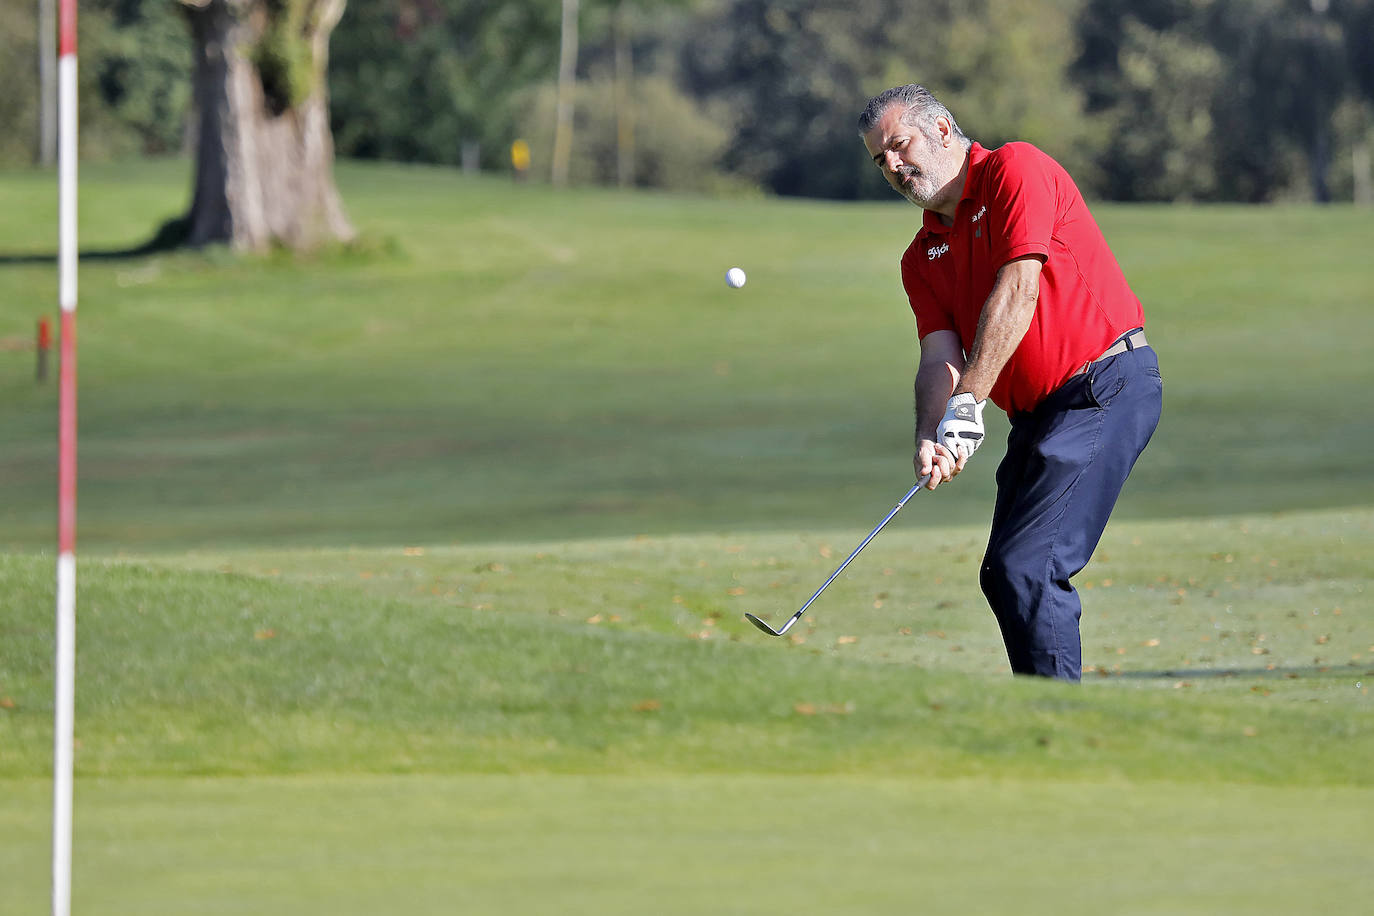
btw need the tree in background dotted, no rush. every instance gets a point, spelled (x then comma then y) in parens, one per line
(246, 94)
(795, 76)
(134, 74)
(629, 19)
(140, 58)
(19, 103)
(1304, 53)
(677, 145)
(633, 125)
(1222, 99)
(567, 87)
(47, 83)
(264, 153)
(1249, 100)
(624, 95)
(1359, 112)
(416, 80)
(1001, 66)
(790, 78)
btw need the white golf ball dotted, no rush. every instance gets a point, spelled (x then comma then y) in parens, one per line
(735, 277)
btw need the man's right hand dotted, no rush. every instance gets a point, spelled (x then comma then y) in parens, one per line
(933, 461)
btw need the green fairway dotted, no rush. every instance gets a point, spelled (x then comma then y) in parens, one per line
(412, 577)
(509, 364)
(632, 656)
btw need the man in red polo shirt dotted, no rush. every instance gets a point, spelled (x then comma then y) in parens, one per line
(1018, 298)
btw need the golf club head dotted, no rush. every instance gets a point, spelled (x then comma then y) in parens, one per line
(763, 626)
(874, 533)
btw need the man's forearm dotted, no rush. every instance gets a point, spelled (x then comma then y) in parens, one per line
(1005, 318)
(935, 383)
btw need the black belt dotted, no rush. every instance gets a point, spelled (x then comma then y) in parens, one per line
(1129, 342)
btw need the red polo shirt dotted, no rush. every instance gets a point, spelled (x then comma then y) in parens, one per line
(1017, 202)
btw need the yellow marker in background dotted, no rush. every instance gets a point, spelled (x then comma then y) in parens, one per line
(520, 158)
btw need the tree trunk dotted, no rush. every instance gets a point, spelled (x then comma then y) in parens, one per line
(1319, 161)
(263, 151)
(1360, 165)
(47, 82)
(624, 104)
(567, 83)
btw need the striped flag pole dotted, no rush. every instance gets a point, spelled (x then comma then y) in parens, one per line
(64, 711)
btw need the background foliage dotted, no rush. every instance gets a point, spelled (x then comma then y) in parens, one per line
(1244, 100)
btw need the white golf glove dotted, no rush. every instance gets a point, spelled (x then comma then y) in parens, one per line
(961, 431)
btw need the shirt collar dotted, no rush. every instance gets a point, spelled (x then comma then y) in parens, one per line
(976, 155)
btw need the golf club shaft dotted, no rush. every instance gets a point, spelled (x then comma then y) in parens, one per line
(872, 534)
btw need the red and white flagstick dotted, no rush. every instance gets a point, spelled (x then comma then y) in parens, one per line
(64, 715)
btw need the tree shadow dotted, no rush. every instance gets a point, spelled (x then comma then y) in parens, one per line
(171, 234)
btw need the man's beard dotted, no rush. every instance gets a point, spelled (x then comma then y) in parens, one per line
(918, 187)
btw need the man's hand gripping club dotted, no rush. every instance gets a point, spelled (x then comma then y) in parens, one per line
(958, 436)
(961, 431)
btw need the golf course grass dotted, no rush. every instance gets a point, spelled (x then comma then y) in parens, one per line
(411, 576)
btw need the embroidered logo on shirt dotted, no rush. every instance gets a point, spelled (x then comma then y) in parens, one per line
(978, 230)
(937, 251)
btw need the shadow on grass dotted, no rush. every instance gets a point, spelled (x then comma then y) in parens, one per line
(1311, 671)
(171, 234)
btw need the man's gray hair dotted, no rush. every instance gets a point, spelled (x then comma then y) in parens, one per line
(920, 107)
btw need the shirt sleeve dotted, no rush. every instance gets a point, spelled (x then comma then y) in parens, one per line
(1021, 199)
(930, 314)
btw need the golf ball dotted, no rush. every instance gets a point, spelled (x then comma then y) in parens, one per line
(735, 277)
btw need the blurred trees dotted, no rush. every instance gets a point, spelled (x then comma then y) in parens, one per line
(415, 80)
(134, 78)
(1248, 100)
(1227, 99)
(139, 55)
(678, 146)
(791, 78)
(1002, 68)
(19, 74)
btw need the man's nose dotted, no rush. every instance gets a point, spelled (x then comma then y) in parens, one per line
(891, 160)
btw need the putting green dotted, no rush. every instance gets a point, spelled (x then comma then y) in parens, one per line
(692, 845)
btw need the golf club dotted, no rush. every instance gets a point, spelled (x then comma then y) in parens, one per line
(874, 533)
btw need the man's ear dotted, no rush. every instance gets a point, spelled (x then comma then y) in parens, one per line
(946, 131)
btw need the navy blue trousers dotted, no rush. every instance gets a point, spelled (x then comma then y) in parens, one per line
(1065, 465)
